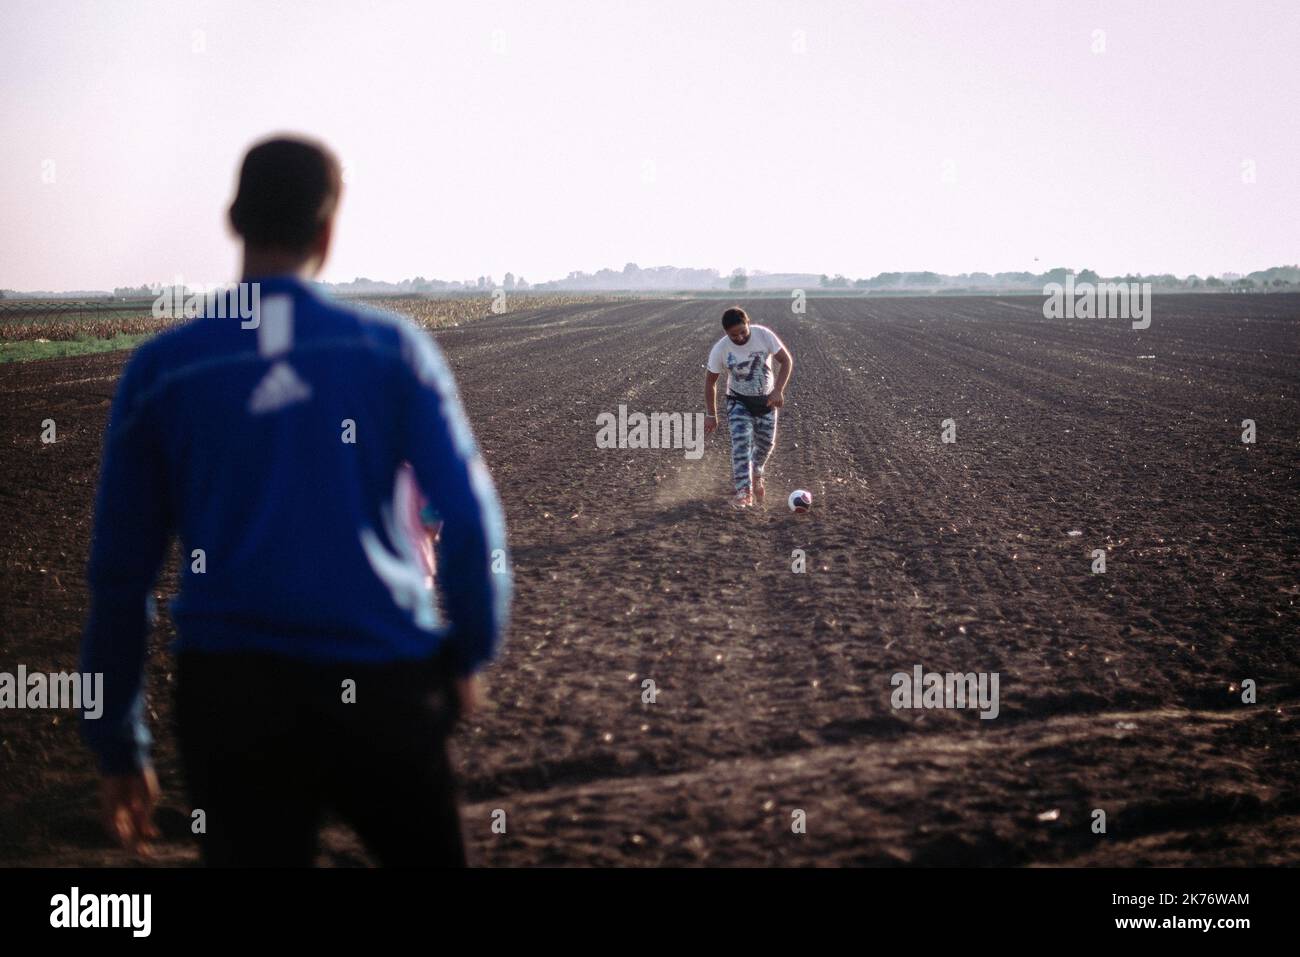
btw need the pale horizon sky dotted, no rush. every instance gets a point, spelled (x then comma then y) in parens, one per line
(540, 138)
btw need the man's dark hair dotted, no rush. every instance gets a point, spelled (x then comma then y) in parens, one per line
(288, 189)
(734, 317)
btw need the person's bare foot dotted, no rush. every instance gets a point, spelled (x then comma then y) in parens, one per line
(742, 499)
(760, 489)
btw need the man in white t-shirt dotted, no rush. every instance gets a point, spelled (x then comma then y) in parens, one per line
(746, 353)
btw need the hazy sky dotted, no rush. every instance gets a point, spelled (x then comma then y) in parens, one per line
(541, 137)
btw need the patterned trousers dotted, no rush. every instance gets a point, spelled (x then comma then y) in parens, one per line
(752, 438)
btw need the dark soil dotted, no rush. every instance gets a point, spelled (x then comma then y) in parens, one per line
(1118, 691)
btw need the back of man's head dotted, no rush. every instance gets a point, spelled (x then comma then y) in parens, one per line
(288, 190)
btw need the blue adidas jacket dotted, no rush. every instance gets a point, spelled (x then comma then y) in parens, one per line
(272, 453)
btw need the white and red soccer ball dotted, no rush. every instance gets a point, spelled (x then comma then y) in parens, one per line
(800, 500)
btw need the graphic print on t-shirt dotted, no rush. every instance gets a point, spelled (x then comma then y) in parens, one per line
(749, 367)
(744, 369)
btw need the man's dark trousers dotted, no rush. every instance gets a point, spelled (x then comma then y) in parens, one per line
(269, 744)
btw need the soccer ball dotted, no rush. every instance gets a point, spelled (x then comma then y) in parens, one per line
(799, 500)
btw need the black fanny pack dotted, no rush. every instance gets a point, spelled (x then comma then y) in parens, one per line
(754, 404)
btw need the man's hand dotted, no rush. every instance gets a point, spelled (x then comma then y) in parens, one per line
(127, 802)
(710, 401)
(776, 400)
(469, 693)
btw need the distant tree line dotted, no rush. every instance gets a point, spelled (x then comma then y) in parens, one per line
(674, 278)
(1277, 277)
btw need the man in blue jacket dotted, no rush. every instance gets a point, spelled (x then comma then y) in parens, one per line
(314, 672)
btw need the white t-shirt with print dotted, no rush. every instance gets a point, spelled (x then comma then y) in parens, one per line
(748, 367)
